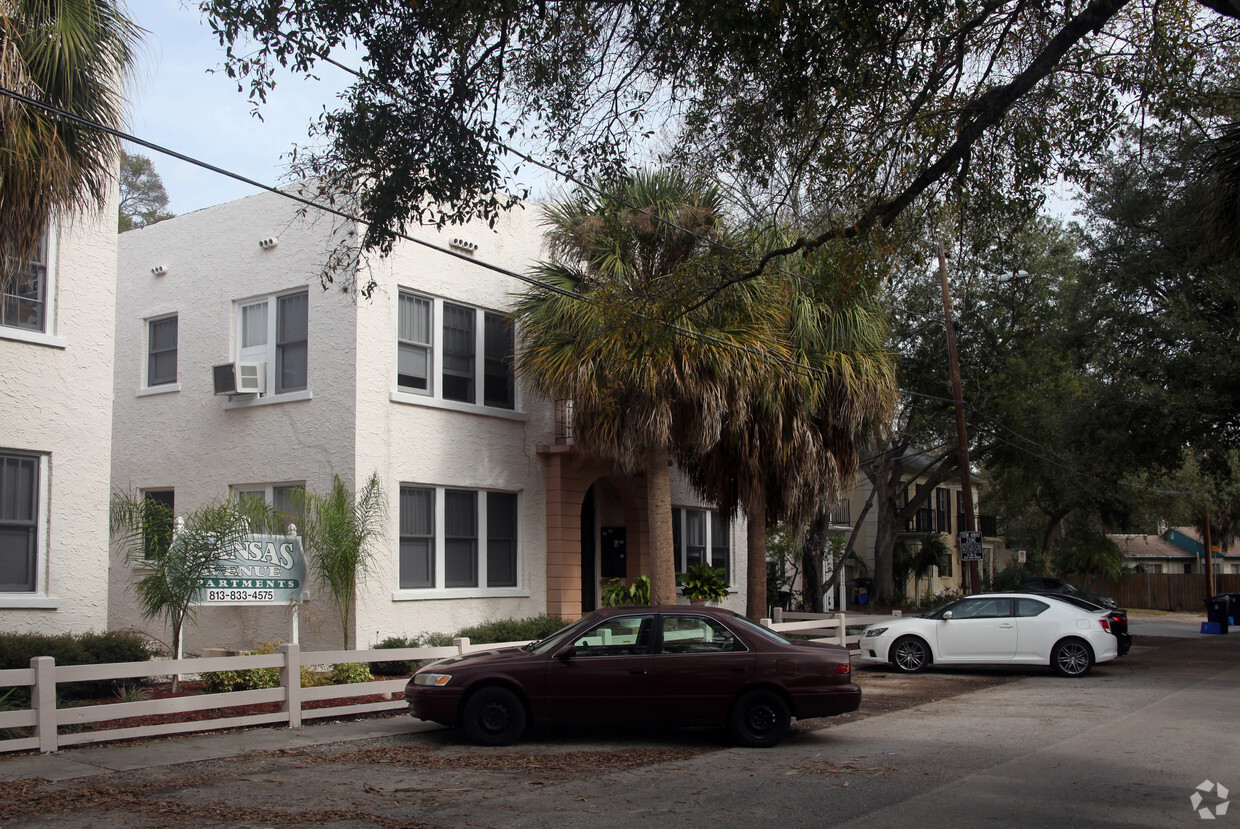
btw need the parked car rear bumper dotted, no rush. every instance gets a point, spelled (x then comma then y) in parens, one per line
(827, 702)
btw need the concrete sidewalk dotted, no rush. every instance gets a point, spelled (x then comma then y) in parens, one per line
(84, 761)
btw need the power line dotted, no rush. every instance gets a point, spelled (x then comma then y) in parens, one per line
(701, 336)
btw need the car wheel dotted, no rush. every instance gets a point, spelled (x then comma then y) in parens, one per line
(494, 716)
(1072, 657)
(759, 718)
(910, 655)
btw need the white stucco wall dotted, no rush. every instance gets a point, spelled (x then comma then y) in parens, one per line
(416, 440)
(355, 422)
(56, 400)
(184, 437)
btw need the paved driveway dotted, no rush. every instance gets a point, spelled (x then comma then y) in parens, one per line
(1125, 746)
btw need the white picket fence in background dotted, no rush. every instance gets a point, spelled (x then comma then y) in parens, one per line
(833, 624)
(47, 720)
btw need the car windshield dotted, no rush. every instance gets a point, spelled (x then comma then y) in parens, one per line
(938, 613)
(555, 639)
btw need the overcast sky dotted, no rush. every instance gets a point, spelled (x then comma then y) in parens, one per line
(175, 101)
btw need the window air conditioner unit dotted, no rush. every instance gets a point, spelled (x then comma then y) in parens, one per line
(240, 378)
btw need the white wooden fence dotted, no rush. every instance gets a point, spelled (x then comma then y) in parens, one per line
(44, 720)
(833, 623)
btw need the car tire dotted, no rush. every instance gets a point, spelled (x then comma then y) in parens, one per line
(1072, 657)
(910, 655)
(494, 716)
(759, 718)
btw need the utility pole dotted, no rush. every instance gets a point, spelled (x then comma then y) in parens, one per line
(1207, 558)
(962, 435)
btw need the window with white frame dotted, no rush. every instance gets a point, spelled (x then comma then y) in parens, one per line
(161, 351)
(470, 361)
(457, 538)
(285, 500)
(25, 304)
(701, 537)
(275, 331)
(21, 486)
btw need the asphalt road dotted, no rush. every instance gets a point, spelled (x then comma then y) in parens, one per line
(1125, 746)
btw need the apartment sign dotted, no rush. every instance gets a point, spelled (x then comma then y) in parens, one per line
(262, 570)
(970, 546)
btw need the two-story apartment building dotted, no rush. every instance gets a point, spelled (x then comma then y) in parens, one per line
(941, 512)
(492, 512)
(56, 342)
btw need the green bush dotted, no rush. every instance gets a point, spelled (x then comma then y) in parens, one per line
(513, 630)
(403, 667)
(496, 630)
(246, 679)
(17, 649)
(348, 673)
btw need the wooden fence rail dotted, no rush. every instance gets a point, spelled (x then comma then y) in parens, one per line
(40, 726)
(1162, 591)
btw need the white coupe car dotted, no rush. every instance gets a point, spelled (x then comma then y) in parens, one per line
(996, 629)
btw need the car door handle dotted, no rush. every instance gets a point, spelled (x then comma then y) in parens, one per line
(1006, 625)
(637, 673)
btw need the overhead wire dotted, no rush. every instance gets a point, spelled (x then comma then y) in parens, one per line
(529, 280)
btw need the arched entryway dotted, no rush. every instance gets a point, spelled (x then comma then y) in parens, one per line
(596, 526)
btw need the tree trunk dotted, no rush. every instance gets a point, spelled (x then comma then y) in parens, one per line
(886, 530)
(659, 518)
(755, 577)
(1052, 526)
(811, 563)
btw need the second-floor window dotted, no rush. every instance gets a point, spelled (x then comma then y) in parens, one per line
(161, 351)
(275, 330)
(470, 361)
(25, 302)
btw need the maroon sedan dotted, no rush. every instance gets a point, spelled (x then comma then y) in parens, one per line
(672, 665)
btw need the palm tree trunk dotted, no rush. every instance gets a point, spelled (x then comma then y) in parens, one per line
(755, 537)
(659, 516)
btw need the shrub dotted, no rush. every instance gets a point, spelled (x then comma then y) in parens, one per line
(246, 679)
(513, 630)
(348, 673)
(17, 649)
(403, 667)
(490, 632)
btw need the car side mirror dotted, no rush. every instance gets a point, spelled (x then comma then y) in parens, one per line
(947, 616)
(565, 654)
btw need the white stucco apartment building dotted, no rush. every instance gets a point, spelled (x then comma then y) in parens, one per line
(56, 343)
(489, 514)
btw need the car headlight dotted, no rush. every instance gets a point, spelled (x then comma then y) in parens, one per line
(432, 679)
(875, 632)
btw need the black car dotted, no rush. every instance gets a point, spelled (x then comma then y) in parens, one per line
(1059, 587)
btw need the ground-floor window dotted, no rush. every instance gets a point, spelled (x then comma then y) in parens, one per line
(22, 478)
(457, 538)
(701, 537)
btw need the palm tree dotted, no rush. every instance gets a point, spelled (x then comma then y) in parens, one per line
(789, 452)
(621, 328)
(73, 55)
(933, 552)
